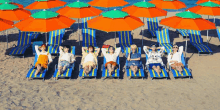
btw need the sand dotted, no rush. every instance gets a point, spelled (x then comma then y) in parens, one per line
(199, 93)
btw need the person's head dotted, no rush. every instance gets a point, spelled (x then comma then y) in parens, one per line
(43, 47)
(133, 48)
(91, 48)
(175, 48)
(153, 47)
(66, 48)
(111, 49)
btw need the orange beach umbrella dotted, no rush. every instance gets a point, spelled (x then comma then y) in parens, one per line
(108, 3)
(45, 4)
(169, 4)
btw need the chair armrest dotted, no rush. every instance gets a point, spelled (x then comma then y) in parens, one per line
(55, 67)
(14, 45)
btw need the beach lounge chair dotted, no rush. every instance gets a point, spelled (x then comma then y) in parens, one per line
(125, 40)
(55, 40)
(115, 74)
(154, 74)
(89, 37)
(183, 32)
(186, 70)
(92, 74)
(68, 72)
(152, 24)
(140, 72)
(218, 32)
(197, 41)
(84, 22)
(163, 39)
(24, 42)
(31, 71)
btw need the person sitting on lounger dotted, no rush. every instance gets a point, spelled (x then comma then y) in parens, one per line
(43, 58)
(134, 59)
(65, 59)
(154, 57)
(89, 60)
(174, 58)
(111, 58)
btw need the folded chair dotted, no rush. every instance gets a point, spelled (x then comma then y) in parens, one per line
(218, 32)
(197, 41)
(115, 74)
(55, 40)
(152, 24)
(125, 40)
(163, 39)
(93, 72)
(89, 37)
(68, 72)
(183, 32)
(153, 74)
(186, 71)
(84, 22)
(31, 71)
(140, 72)
(24, 42)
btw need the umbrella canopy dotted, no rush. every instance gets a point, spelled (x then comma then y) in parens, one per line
(202, 1)
(144, 9)
(45, 4)
(108, 3)
(12, 12)
(188, 20)
(115, 20)
(206, 8)
(5, 24)
(168, 4)
(44, 21)
(8, 1)
(79, 10)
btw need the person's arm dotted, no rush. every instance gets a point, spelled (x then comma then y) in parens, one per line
(84, 50)
(37, 50)
(72, 58)
(97, 51)
(61, 50)
(181, 50)
(104, 51)
(117, 51)
(146, 50)
(129, 56)
(161, 50)
(169, 58)
(137, 59)
(50, 58)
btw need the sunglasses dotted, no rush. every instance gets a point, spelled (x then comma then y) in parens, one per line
(175, 47)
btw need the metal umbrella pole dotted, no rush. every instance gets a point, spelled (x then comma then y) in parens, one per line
(46, 37)
(185, 49)
(207, 37)
(143, 32)
(7, 38)
(115, 38)
(78, 31)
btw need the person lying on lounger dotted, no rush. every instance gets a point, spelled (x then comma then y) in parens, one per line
(111, 58)
(134, 59)
(154, 57)
(89, 60)
(65, 59)
(174, 58)
(43, 58)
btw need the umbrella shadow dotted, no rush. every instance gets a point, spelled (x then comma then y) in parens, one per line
(211, 33)
(217, 21)
(11, 38)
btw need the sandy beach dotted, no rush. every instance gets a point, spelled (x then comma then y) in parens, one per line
(202, 92)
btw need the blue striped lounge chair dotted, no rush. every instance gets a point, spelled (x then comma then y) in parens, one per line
(24, 42)
(84, 22)
(163, 39)
(197, 41)
(34, 35)
(31, 71)
(183, 32)
(125, 40)
(186, 72)
(89, 37)
(154, 74)
(68, 72)
(140, 72)
(92, 74)
(115, 74)
(218, 32)
(55, 40)
(152, 24)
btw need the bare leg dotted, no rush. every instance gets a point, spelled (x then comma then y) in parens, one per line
(158, 69)
(85, 69)
(59, 70)
(155, 68)
(135, 70)
(38, 69)
(109, 67)
(113, 68)
(64, 68)
(90, 68)
(179, 68)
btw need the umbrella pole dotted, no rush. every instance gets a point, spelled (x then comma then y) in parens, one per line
(7, 38)
(78, 31)
(46, 37)
(214, 19)
(207, 37)
(185, 49)
(115, 39)
(143, 33)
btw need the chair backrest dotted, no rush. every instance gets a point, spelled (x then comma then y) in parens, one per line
(34, 35)
(104, 61)
(163, 36)
(24, 38)
(184, 32)
(88, 37)
(35, 58)
(183, 60)
(195, 36)
(128, 50)
(152, 24)
(72, 48)
(218, 32)
(55, 37)
(125, 39)
(84, 22)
